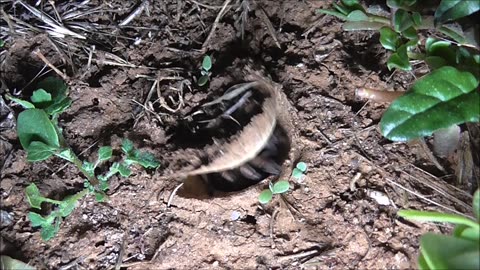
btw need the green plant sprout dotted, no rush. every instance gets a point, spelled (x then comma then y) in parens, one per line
(206, 66)
(448, 95)
(282, 186)
(461, 250)
(41, 136)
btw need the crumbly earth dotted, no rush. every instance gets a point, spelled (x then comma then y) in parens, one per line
(333, 218)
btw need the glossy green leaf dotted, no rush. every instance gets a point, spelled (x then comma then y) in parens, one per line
(435, 62)
(389, 38)
(460, 254)
(40, 96)
(145, 159)
(34, 197)
(357, 16)
(417, 19)
(400, 3)
(440, 48)
(302, 166)
(410, 33)
(25, 104)
(399, 60)
(449, 10)
(362, 26)
(437, 217)
(38, 151)
(34, 125)
(207, 63)
(476, 204)
(402, 20)
(59, 106)
(443, 98)
(8, 263)
(281, 187)
(265, 196)
(297, 174)
(105, 153)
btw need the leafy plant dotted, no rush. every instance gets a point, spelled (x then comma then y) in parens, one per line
(205, 71)
(461, 250)
(446, 96)
(41, 136)
(282, 186)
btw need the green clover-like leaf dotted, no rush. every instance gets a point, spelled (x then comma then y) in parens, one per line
(281, 187)
(265, 196)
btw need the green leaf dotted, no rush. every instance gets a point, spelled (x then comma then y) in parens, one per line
(443, 98)
(103, 185)
(105, 153)
(389, 38)
(297, 174)
(402, 20)
(145, 159)
(400, 3)
(417, 19)
(440, 48)
(25, 104)
(67, 207)
(207, 63)
(49, 231)
(476, 204)
(66, 154)
(399, 60)
(410, 33)
(38, 151)
(466, 232)
(357, 16)
(34, 125)
(281, 187)
(34, 197)
(435, 62)
(58, 91)
(449, 10)
(437, 217)
(124, 170)
(352, 5)
(302, 166)
(100, 197)
(265, 196)
(127, 146)
(36, 219)
(203, 80)
(332, 13)
(460, 254)
(40, 96)
(89, 168)
(9, 263)
(59, 106)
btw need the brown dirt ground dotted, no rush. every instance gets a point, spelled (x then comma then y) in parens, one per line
(336, 223)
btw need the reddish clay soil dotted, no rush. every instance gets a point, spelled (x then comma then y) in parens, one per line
(332, 219)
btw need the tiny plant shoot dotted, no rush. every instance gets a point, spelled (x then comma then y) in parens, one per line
(41, 137)
(205, 71)
(461, 250)
(282, 186)
(449, 94)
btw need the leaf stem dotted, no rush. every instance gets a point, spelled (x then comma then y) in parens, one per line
(92, 179)
(51, 201)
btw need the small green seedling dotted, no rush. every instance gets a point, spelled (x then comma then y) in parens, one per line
(206, 66)
(461, 250)
(282, 186)
(277, 188)
(299, 171)
(448, 94)
(41, 136)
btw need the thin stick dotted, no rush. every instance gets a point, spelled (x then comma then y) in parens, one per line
(134, 14)
(215, 23)
(270, 28)
(170, 198)
(45, 60)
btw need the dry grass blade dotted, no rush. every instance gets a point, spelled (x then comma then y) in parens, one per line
(263, 15)
(56, 29)
(215, 23)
